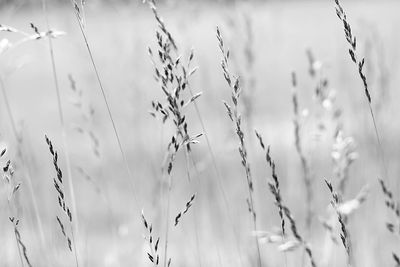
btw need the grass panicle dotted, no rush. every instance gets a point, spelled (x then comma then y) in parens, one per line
(352, 41)
(283, 210)
(343, 148)
(13, 187)
(307, 178)
(62, 202)
(343, 155)
(26, 36)
(153, 242)
(325, 96)
(87, 112)
(297, 235)
(185, 210)
(244, 63)
(274, 186)
(344, 235)
(22, 246)
(235, 117)
(392, 205)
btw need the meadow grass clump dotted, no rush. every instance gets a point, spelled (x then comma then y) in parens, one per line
(343, 151)
(352, 41)
(235, 117)
(6, 45)
(168, 46)
(111, 238)
(173, 77)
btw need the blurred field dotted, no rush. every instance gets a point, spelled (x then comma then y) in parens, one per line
(110, 231)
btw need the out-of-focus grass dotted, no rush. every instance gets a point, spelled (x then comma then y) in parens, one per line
(120, 37)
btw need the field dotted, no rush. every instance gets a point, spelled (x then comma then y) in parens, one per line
(113, 187)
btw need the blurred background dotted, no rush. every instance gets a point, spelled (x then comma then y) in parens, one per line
(268, 41)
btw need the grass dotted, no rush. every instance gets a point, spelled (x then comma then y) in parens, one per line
(206, 222)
